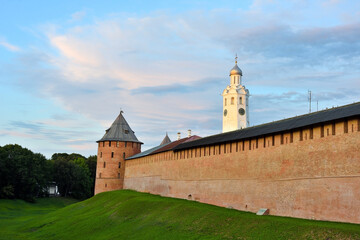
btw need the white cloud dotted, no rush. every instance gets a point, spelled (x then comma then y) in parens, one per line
(105, 65)
(8, 45)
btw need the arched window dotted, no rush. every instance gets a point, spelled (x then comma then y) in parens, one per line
(241, 100)
(225, 101)
(232, 100)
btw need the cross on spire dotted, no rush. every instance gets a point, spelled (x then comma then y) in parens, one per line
(236, 57)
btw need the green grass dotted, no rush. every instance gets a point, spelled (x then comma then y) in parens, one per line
(132, 215)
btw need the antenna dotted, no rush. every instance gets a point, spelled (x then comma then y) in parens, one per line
(309, 92)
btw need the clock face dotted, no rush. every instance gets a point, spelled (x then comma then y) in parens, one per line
(241, 111)
(225, 112)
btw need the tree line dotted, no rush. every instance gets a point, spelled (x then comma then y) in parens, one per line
(27, 175)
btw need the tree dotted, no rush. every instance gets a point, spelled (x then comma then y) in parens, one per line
(23, 174)
(74, 174)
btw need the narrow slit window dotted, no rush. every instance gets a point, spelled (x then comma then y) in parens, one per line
(232, 100)
(112, 154)
(311, 133)
(123, 155)
(241, 100)
(333, 128)
(346, 126)
(104, 164)
(109, 143)
(119, 164)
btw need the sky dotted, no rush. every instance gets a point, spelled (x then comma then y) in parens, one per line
(67, 68)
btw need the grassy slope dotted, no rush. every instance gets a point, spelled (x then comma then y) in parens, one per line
(15, 213)
(132, 215)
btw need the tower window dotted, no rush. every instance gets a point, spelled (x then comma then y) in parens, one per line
(100, 154)
(112, 154)
(103, 144)
(225, 101)
(119, 164)
(123, 155)
(232, 100)
(125, 144)
(241, 102)
(104, 164)
(109, 143)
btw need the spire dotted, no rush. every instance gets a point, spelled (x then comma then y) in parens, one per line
(119, 131)
(236, 58)
(165, 140)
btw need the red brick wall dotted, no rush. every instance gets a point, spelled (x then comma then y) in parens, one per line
(316, 177)
(107, 176)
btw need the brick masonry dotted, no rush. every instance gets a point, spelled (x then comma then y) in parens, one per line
(110, 169)
(311, 173)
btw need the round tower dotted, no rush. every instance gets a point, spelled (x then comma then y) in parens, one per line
(118, 143)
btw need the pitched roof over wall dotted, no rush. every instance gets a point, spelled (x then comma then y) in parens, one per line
(119, 131)
(163, 148)
(332, 114)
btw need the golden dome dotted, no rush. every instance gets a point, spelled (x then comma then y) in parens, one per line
(235, 70)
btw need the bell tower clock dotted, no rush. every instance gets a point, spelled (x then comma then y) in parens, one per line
(235, 102)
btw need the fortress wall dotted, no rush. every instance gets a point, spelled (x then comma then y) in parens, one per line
(306, 173)
(109, 174)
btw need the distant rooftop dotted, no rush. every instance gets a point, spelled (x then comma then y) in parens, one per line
(163, 148)
(165, 140)
(120, 131)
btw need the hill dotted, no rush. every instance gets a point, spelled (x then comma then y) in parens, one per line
(131, 215)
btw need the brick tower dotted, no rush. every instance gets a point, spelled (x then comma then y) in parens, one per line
(118, 143)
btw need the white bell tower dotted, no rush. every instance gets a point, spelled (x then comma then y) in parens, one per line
(235, 102)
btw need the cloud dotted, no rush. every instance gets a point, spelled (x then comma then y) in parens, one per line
(77, 16)
(8, 45)
(167, 71)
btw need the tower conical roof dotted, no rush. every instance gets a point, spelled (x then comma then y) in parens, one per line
(165, 140)
(120, 131)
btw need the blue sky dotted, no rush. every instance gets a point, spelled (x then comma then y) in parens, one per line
(67, 67)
